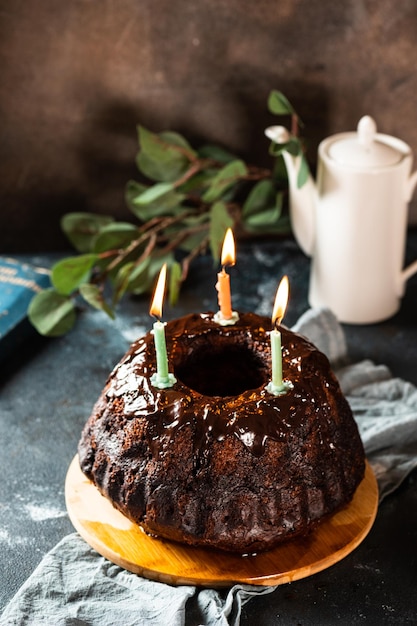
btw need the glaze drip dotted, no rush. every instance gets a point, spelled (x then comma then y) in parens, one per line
(216, 460)
(233, 379)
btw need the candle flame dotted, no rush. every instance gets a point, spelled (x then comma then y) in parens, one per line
(281, 300)
(156, 306)
(228, 250)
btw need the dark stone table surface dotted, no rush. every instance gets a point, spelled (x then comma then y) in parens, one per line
(47, 390)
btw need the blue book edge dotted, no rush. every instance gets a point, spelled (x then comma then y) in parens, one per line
(19, 282)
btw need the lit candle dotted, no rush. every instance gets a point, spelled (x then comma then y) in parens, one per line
(277, 386)
(225, 316)
(162, 378)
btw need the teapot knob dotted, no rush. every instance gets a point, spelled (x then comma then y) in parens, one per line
(366, 130)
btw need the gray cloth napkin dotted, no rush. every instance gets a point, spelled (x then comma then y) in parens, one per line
(73, 585)
(385, 408)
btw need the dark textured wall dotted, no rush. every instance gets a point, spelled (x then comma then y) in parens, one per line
(77, 76)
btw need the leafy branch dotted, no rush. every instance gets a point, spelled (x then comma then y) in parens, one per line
(184, 203)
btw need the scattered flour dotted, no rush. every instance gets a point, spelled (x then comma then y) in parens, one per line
(264, 258)
(266, 294)
(40, 513)
(131, 332)
(7, 539)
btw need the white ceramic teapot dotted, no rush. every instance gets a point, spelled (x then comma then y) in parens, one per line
(353, 221)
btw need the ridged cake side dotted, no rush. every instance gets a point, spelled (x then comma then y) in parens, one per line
(217, 460)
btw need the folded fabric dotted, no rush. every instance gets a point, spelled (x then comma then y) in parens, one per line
(73, 585)
(385, 408)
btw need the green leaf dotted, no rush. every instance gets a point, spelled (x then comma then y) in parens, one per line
(133, 189)
(268, 218)
(138, 276)
(192, 241)
(139, 200)
(216, 153)
(293, 146)
(261, 196)
(175, 273)
(303, 172)
(220, 221)
(280, 227)
(196, 220)
(115, 236)
(176, 139)
(51, 313)
(264, 219)
(155, 192)
(279, 172)
(94, 297)
(163, 157)
(279, 105)
(68, 274)
(121, 281)
(199, 182)
(82, 228)
(229, 175)
(143, 277)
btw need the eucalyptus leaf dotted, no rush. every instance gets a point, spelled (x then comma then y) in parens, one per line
(175, 282)
(281, 227)
(133, 189)
(303, 172)
(68, 274)
(197, 183)
(279, 105)
(220, 221)
(268, 220)
(196, 220)
(229, 175)
(144, 281)
(121, 281)
(163, 157)
(92, 294)
(185, 203)
(192, 241)
(279, 172)
(176, 139)
(115, 236)
(216, 153)
(264, 219)
(155, 192)
(82, 228)
(164, 204)
(293, 146)
(51, 313)
(261, 196)
(190, 223)
(138, 276)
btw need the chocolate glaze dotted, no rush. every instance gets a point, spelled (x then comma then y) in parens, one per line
(216, 459)
(248, 416)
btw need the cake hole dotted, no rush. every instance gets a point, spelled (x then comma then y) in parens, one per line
(222, 371)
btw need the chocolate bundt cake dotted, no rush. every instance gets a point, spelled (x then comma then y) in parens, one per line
(216, 460)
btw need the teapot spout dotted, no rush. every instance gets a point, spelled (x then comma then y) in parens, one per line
(302, 199)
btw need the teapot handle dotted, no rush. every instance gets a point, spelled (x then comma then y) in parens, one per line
(411, 186)
(412, 268)
(409, 271)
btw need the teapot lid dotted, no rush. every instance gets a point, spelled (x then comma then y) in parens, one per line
(364, 148)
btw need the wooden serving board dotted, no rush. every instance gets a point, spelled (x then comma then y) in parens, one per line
(124, 543)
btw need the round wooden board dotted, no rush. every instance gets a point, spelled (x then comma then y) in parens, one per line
(124, 543)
